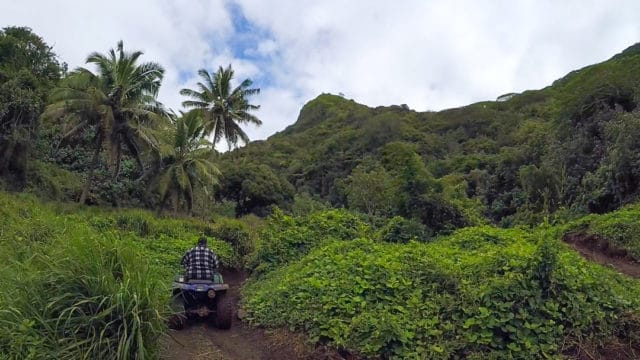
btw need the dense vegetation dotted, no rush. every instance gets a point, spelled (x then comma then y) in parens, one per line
(479, 293)
(107, 126)
(388, 233)
(28, 70)
(569, 149)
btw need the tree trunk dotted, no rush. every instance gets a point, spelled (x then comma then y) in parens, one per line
(87, 185)
(116, 161)
(176, 202)
(189, 199)
(133, 149)
(163, 202)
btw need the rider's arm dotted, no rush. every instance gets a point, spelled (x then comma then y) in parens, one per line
(216, 263)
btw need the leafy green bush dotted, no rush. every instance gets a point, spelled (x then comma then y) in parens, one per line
(401, 230)
(305, 204)
(286, 238)
(52, 182)
(224, 208)
(479, 293)
(237, 234)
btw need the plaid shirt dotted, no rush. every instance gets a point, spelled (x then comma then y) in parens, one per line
(200, 263)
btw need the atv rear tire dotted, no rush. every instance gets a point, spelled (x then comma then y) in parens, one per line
(176, 322)
(224, 313)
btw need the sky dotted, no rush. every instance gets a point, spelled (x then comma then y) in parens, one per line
(428, 54)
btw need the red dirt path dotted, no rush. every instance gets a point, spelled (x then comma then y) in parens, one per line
(599, 250)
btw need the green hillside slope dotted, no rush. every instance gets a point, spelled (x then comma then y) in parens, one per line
(572, 145)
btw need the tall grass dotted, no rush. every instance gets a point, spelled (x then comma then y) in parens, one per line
(90, 283)
(73, 293)
(84, 298)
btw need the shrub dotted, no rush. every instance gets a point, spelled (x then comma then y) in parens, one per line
(305, 204)
(236, 233)
(621, 228)
(286, 238)
(224, 208)
(401, 230)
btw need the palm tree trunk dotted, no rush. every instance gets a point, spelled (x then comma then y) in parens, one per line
(87, 185)
(176, 202)
(133, 149)
(163, 202)
(189, 199)
(116, 161)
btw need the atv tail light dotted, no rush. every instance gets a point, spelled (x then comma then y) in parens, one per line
(211, 293)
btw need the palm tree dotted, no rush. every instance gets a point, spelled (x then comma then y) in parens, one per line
(223, 108)
(188, 163)
(117, 104)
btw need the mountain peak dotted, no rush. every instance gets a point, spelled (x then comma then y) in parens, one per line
(630, 51)
(324, 106)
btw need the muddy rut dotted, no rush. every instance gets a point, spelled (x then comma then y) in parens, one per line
(601, 251)
(199, 341)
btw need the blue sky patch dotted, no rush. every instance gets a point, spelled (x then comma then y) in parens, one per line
(245, 43)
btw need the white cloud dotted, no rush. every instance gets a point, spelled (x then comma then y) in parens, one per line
(437, 54)
(267, 47)
(428, 54)
(274, 102)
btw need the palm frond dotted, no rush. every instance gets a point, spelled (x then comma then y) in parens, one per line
(222, 108)
(190, 93)
(190, 104)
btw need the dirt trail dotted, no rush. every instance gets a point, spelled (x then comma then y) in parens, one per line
(599, 250)
(201, 341)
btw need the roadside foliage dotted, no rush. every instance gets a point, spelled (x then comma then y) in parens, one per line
(479, 293)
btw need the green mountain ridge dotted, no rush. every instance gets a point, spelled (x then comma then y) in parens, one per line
(572, 131)
(305, 121)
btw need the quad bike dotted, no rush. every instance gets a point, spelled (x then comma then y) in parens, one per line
(204, 299)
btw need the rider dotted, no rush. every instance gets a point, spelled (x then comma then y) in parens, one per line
(200, 262)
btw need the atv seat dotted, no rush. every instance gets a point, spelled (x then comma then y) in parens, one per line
(199, 281)
(217, 279)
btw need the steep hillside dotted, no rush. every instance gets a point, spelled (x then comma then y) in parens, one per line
(572, 145)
